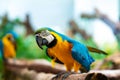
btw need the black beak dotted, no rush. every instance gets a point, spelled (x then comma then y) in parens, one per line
(41, 41)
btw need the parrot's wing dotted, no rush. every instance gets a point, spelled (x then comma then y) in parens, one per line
(1, 48)
(96, 50)
(81, 55)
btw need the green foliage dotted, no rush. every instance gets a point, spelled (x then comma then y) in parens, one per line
(89, 42)
(1, 65)
(26, 45)
(27, 48)
(5, 29)
(7, 25)
(1, 68)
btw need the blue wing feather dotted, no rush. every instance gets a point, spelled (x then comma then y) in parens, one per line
(1, 49)
(79, 51)
(80, 54)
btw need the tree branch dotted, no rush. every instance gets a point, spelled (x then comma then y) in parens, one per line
(75, 29)
(34, 70)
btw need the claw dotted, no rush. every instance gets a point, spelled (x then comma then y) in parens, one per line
(53, 62)
(62, 75)
(58, 75)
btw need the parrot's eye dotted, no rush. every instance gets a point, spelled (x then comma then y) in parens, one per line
(9, 38)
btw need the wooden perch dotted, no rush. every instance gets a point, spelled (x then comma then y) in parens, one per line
(31, 70)
(115, 59)
(75, 29)
(36, 65)
(88, 16)
(115, 26)
(42, 70)
(25, 74)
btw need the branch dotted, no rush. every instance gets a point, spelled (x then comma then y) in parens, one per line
(37, 65)
(28, 25)
(115, 59)
(30, 70)
(98, 14)
(75, 29)
(97, 75)
(43, 71)
(4, 20)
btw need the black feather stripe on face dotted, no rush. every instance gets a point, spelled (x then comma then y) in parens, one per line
(52, 44)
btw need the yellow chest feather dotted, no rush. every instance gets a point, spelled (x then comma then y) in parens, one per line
(9, 50)
(62, 50)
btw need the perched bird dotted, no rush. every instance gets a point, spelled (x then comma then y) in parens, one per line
(62, 49)
(8, 47)
(7, 50)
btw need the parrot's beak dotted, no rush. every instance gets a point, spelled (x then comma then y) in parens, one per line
(12, 39)
(41, 41)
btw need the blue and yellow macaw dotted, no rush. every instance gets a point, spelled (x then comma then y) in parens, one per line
(7, 50)
(62, 49)
(8, 47)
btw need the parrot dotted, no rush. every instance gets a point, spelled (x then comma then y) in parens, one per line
(7, 51)
(8, 46)
(65, 50)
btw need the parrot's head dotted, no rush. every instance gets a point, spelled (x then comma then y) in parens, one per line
(9, 37)
(44, 37)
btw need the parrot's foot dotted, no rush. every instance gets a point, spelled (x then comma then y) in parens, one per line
(62, 75)
(58, 75)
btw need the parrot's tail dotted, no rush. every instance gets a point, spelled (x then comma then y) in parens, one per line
(96, 50)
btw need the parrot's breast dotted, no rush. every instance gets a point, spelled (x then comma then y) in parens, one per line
(62, 51)
(8, 49)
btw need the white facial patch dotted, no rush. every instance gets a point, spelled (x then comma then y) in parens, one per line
(49, 38)
(46, 34)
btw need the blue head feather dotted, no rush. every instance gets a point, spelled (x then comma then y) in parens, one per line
(15, 35)
(63, 36)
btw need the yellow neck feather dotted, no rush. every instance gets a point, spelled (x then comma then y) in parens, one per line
(56, 36)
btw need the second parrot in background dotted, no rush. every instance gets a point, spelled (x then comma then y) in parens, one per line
(8, 47)
(8, 51)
